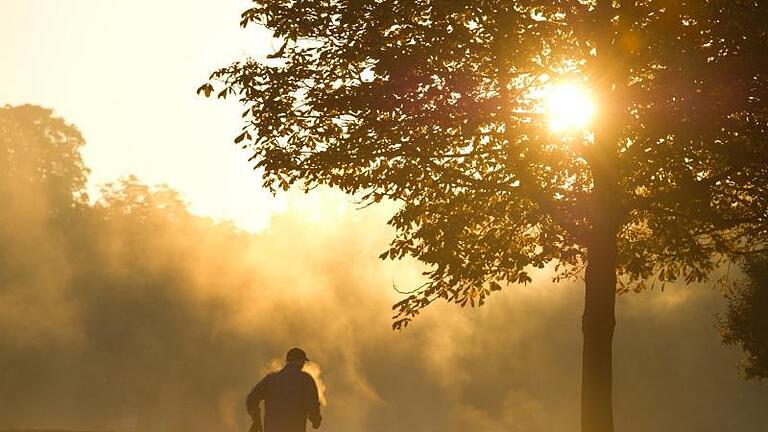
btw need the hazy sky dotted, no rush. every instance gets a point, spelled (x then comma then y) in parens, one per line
(125, 72)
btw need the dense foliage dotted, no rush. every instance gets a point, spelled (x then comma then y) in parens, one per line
(745, 323)
(433, 104)
(42, 153)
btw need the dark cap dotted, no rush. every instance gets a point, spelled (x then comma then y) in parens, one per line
(296, 354)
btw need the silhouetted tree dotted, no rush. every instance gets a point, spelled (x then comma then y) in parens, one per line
(432, 103)
(40, 157)
(745, 323)
(129, 197)
(42, 194)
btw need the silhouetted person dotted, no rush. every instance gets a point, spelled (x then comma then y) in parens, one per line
(290, 398)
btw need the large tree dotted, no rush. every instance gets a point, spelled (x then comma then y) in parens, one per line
(436, 104)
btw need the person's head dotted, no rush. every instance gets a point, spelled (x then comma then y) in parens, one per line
(296, 357)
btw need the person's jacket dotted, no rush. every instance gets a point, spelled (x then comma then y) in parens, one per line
(290, 398)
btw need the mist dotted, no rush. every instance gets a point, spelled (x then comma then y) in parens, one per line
(128, 312)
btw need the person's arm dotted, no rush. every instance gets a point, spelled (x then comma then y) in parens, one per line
(257, 394)
(313, 410)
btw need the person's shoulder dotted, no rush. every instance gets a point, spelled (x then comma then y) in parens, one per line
(307, 377)
(269, 377)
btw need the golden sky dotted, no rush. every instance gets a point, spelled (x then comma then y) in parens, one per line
(125, 72)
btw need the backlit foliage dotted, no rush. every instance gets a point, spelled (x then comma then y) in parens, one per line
(430, 103)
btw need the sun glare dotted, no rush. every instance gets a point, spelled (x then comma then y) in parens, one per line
(568, 107)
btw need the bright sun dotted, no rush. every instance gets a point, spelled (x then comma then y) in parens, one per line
(568, 107)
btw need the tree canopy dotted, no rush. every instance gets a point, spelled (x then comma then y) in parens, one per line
(40, 155)
(434, 104)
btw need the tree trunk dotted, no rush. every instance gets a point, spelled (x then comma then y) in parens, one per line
(599, 319)
(598, 323)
